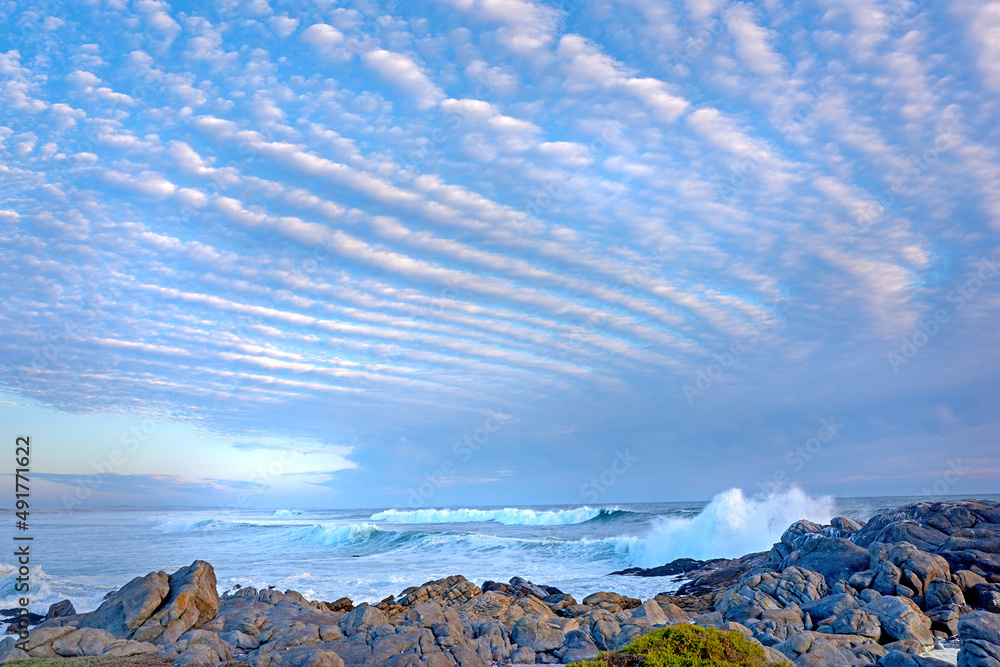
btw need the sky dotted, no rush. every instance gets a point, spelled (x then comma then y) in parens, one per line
(486, 252)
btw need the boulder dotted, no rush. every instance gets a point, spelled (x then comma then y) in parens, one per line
(918, 567)
(835, 558)
(966, 579)
(85, 641)
(793, 586)
(361, 619)
(857, 622)
(904, 659)
(193, 601)
(901, 620)
(522, 655)
(942, 591)
(577, 646)
(979, 640)
(455, 589)
(945, 618)
(61, 608)
(984, 563)
(649, 613)
(9, 650)
(130, 607)
(425, 614)
(985, 596)
(123, 648)
(537, 635)
(807, 650)
(830, 606)
(611, 601)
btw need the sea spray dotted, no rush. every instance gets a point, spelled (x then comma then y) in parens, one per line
(730, 526)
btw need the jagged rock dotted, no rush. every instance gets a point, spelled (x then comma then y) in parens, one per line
(777, 625)
(86, 641)
(611, 601)
(341, 604)
(537, 635)
(901, 619)
(857, 622)
(130, 607)
(450, 590)
(979, 638)
(192, 602)
(362, 618)
(792, 586)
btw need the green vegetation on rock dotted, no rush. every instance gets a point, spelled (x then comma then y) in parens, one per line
(684, 646)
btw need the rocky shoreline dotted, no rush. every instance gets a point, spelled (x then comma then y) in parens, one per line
(887, 592)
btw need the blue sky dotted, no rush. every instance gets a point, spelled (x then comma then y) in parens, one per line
(493, 252)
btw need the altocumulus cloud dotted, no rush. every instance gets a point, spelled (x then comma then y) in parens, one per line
(368, 226)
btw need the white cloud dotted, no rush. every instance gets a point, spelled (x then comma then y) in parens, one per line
(323, 36)
(753, 42)
(400, 70)
(283, 25)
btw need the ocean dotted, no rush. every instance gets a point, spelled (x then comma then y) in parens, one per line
(370, 554)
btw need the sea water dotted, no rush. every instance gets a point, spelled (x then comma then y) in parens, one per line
(370, 554)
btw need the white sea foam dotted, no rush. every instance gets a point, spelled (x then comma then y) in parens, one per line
(287, 512)
(176, 524)
(507, 516)
(730, 526)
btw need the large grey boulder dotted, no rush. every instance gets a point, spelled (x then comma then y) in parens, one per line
(941, 591)
(979, 640)
(362, 618)
(808, 650)
(901, 619)
(835, 558)
(537, 635)
(85, 641)
(857, 622)
(192, 602)
(131, 606)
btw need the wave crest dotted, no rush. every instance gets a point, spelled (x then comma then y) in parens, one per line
(730, 526)
(327, 536)
(508, 516)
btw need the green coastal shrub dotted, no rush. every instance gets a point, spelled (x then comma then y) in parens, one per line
(684, 646)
